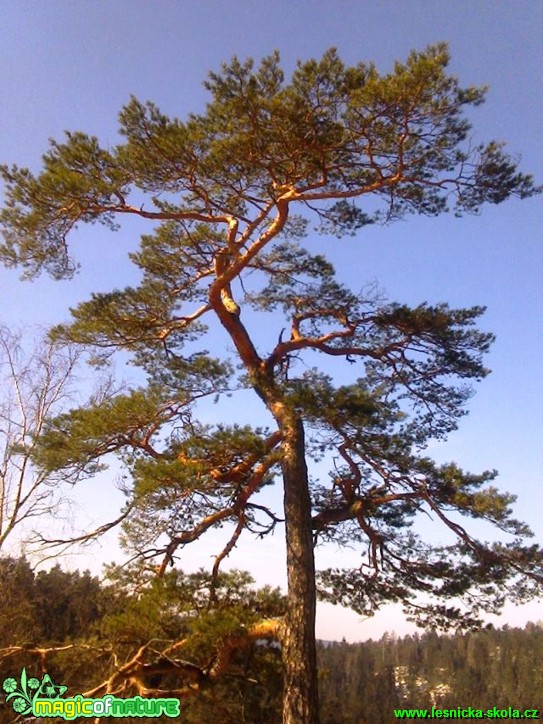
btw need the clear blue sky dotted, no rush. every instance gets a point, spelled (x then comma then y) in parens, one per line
(72, 65)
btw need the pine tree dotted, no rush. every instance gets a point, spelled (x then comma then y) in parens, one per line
(229, 195)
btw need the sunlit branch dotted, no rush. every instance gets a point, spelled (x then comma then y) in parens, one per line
(157, 215)
(236, 508)
(86, 537)
(223, 554)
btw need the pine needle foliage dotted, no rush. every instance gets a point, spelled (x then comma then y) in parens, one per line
(230, 195)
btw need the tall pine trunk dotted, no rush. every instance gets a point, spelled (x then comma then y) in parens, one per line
(300, 697)
(299, 655)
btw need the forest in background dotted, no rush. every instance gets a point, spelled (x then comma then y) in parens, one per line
(76, 628)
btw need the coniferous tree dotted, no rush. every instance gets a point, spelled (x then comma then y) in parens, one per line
(484, 669)
(229, 195)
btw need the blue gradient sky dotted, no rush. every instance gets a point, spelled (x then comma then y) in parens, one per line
(72, 65)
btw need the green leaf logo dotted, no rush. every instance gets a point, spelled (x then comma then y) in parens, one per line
(22, 695)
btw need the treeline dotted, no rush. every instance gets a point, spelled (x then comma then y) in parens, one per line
(78, 630)
(363, 683)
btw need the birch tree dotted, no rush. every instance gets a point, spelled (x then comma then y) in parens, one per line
(35, 386)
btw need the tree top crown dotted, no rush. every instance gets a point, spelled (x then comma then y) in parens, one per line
(327, 139)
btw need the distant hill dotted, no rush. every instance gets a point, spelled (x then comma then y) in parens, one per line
(364, 682)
